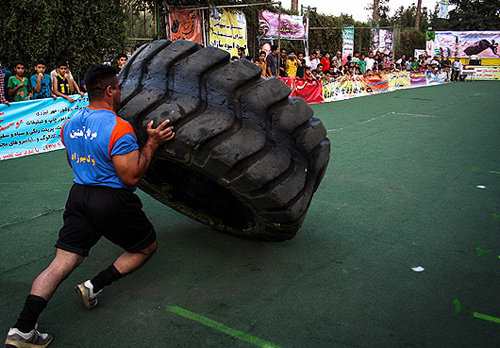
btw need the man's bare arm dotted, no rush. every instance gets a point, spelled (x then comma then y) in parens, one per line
(132, 166)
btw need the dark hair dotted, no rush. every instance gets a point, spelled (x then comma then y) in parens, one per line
(61, 63)
(40, 61)
(121, 55)
(98, 78)
(274, 48)
(262, 52)
(19, 62)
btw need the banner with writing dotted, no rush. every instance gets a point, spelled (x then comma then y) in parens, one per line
(417, 78)
(376, 84)
(185, 25)
(291, 27)
(347, 42)
(463, 44)
(310, 91)
(228, 30)
(34, 126)
(398, 80)
(484, 72)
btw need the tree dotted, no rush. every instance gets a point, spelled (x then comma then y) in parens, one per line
(84, 31)
(470, 15)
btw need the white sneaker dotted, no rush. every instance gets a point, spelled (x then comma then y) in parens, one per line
(32, 339)
(87, 295)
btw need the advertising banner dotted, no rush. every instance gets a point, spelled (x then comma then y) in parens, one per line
(343, 88)
(185, 25)
(376, 84)
(32, 127)
(417, 78)
(291, 27)
(464, 44)
(381, 40)
(347, 42)
(485, 72)
(228, 30)
(398, 80)
(310, 91)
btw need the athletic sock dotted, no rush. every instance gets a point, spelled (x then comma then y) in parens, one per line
(28, 318)
(105, 278)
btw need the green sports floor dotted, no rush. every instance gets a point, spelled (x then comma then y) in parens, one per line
(401, 192)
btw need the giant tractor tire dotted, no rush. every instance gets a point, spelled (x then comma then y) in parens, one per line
(246, 159)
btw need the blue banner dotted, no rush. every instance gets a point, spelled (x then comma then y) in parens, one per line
(31, 127)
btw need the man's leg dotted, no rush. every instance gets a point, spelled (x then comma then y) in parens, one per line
(125, 264)
(44, 287)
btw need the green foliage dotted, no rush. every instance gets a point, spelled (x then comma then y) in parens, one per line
(470, 15)
(409, 40)
(84, 31)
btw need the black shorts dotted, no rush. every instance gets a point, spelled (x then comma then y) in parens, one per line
(95, 211)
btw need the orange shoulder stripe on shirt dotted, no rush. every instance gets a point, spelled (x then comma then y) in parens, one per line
(62, 129)
(122, 127)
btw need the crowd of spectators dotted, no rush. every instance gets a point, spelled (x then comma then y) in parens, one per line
(16, 86)
(322, 65)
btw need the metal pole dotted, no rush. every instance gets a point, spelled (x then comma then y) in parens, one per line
(226, 6)
(279, 39)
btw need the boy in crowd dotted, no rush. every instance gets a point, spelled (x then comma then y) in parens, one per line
(63, 82)
(272, 62)
(3, 86)
(53, 75)
(41, 82)
(292, 65)
(300, 68)
(121, 59)
(262, 63)
(283, 63)
(19, 86)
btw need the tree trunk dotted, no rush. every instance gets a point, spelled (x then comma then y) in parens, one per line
(376, 16)
(295, 5)
(417, 20)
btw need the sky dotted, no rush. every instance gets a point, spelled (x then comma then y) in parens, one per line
(355, 8)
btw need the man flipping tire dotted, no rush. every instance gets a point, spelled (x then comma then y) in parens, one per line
(107, 164)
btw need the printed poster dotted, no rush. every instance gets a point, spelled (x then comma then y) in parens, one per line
(443, 9)
(185, 25)
(347, 42)
(228, 30)
(463, 44)
(32, 127)
(398, 80)
(291, 27)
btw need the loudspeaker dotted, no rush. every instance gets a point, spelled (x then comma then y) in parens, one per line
(475, 62)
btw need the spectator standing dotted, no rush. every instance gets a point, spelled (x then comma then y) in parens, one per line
(262, 63)
(456, 69)
(272, 62)
(337, 60)
(283, 61)
(63, 82)
(362, 64)
(414, 65)
(369, 61)
(241, 53)
(326, 61)
(121, 60)
(348, 63)
(41, 82)
(315, 61)
(300, 68)
(292, 65)
(19, 86)
(3, 87)
(355, 58)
